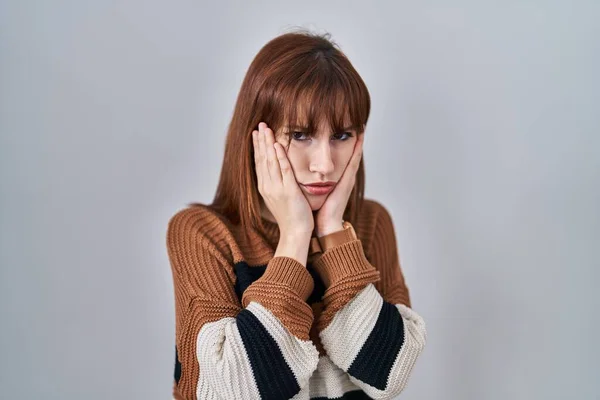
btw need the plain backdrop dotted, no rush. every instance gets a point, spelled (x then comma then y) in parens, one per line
(483, 143)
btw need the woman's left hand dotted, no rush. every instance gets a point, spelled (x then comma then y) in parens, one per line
(329, 217)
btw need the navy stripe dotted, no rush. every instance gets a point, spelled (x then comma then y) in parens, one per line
(273, 376)
(245, 276)
(177, 373)
(319, 287)
(374, 361)
(353, 395)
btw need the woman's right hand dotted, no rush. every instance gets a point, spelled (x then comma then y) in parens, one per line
(278, 187)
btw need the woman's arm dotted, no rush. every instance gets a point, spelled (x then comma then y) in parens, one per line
(374, 337)
(256, 348)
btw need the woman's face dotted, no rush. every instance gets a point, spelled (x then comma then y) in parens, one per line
(320, 158)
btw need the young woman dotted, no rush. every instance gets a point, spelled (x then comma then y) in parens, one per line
(289, 284)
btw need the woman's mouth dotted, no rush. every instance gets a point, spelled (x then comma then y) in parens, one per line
(319, 189)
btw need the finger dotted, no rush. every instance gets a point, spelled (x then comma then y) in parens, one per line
(262, 153)
(358, 151)
(272, 161)
(287, 173)
(354, 162)
(256, 157)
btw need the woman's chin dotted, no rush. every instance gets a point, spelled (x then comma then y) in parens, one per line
(316, 204)
(315, 201)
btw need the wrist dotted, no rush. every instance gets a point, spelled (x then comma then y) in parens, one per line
(294, 235)
(336, 238)
(294, 246)
(295, 238)
(330, 228)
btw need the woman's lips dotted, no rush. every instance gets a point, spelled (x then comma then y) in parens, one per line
(318, 190)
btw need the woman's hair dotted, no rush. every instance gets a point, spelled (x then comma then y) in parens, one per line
(296, 80)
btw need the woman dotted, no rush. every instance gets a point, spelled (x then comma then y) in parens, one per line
(284, 289)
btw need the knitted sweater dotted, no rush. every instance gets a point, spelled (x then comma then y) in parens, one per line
(253, 326)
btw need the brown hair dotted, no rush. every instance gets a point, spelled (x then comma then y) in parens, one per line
(296, 72)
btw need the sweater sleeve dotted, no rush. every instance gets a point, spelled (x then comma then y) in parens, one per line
(254, 349)
(376, 339)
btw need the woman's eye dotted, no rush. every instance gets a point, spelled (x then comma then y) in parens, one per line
(343, 136)
(295, 137)
(348, 135)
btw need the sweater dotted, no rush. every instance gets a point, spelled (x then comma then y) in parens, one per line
(249, 325)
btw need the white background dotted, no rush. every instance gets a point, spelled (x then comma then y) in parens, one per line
(483, 143)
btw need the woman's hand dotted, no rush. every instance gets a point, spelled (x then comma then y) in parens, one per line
(278, 187)
(329, 217)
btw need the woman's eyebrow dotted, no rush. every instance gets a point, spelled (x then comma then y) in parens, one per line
(296, 128)
(305, 128)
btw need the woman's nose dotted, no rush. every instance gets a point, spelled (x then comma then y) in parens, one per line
(321, 160)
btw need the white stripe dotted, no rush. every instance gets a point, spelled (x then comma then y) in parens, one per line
(301, 355)
(351, 327)
(415, 336)
(225, 369)
(353, 324)
(329, 381)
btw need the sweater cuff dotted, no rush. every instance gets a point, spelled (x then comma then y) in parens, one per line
(283, 289)
(346, 260)
(290, 272)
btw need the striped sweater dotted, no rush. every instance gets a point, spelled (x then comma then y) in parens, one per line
(253, 326)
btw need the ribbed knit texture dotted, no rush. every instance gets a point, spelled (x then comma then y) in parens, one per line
(253, 326)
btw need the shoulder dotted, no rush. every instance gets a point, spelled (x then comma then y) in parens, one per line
(374, 214)
(197, 217)
(375, 224)
(374, 207)
(198, 225)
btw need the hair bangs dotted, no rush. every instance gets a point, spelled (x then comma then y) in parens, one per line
(321, 94)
